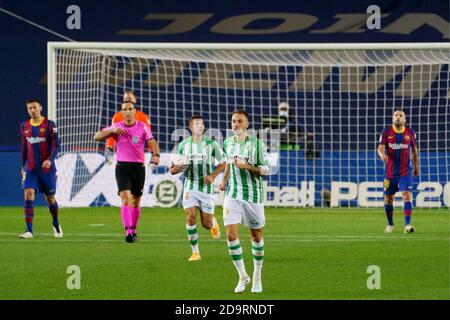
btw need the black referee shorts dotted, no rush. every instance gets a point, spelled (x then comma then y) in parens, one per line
(130, 176)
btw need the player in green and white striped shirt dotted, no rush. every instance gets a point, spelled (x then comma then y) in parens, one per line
(198, 190)
(247, 163)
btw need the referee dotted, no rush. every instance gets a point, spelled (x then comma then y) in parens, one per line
(131, 137)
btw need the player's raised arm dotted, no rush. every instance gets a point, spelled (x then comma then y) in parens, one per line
(108, 131)
(110, 141)
(262, 166)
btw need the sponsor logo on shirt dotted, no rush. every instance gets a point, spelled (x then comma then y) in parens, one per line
(397, 146)
(197, 157)
(34, 140)
(135, 139)
(245, 159)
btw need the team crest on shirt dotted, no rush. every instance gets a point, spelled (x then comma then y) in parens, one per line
(135, 139)
(42, 130)
(406, 138)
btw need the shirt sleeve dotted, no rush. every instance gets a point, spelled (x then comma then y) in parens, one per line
(54, 140)
(148, 135)
(225, 153)
(180, 148)
(219, 154)
(110, 127)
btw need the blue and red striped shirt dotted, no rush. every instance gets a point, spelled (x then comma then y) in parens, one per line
(398, 149)
(39, 143)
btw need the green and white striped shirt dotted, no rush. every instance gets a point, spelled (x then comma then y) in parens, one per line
(202, 156)
(244, 185)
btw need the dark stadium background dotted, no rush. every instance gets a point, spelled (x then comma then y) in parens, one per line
(23, 53)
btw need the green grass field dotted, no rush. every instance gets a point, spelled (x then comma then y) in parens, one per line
(309, 254)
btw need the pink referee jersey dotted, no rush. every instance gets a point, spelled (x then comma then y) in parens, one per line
(130, 146)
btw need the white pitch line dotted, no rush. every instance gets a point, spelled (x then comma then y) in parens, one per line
(120, 239)
(168, 240)
(286, 237)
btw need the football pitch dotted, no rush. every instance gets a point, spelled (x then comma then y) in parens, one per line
(309, 254)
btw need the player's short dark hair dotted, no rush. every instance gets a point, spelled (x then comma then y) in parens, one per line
(33, 100)
(194, 117)
(240, 111)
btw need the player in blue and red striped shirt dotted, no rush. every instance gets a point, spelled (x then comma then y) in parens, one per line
(40, 146)
(397, 148)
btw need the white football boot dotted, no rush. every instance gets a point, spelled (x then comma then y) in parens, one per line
(389, 229)
(242, 284)
(257, 285)
(57, 234)
(26, 235)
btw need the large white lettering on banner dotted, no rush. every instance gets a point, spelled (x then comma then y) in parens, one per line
(164, 190)
(370, 194)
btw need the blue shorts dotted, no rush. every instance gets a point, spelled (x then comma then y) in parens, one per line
(391, 186)
(40, 181)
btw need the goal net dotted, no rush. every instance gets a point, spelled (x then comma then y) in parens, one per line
(320, 110)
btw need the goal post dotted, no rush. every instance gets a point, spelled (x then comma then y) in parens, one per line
(337, 98)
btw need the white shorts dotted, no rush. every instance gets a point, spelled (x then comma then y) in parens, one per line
(234, 211)
(204, 202)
